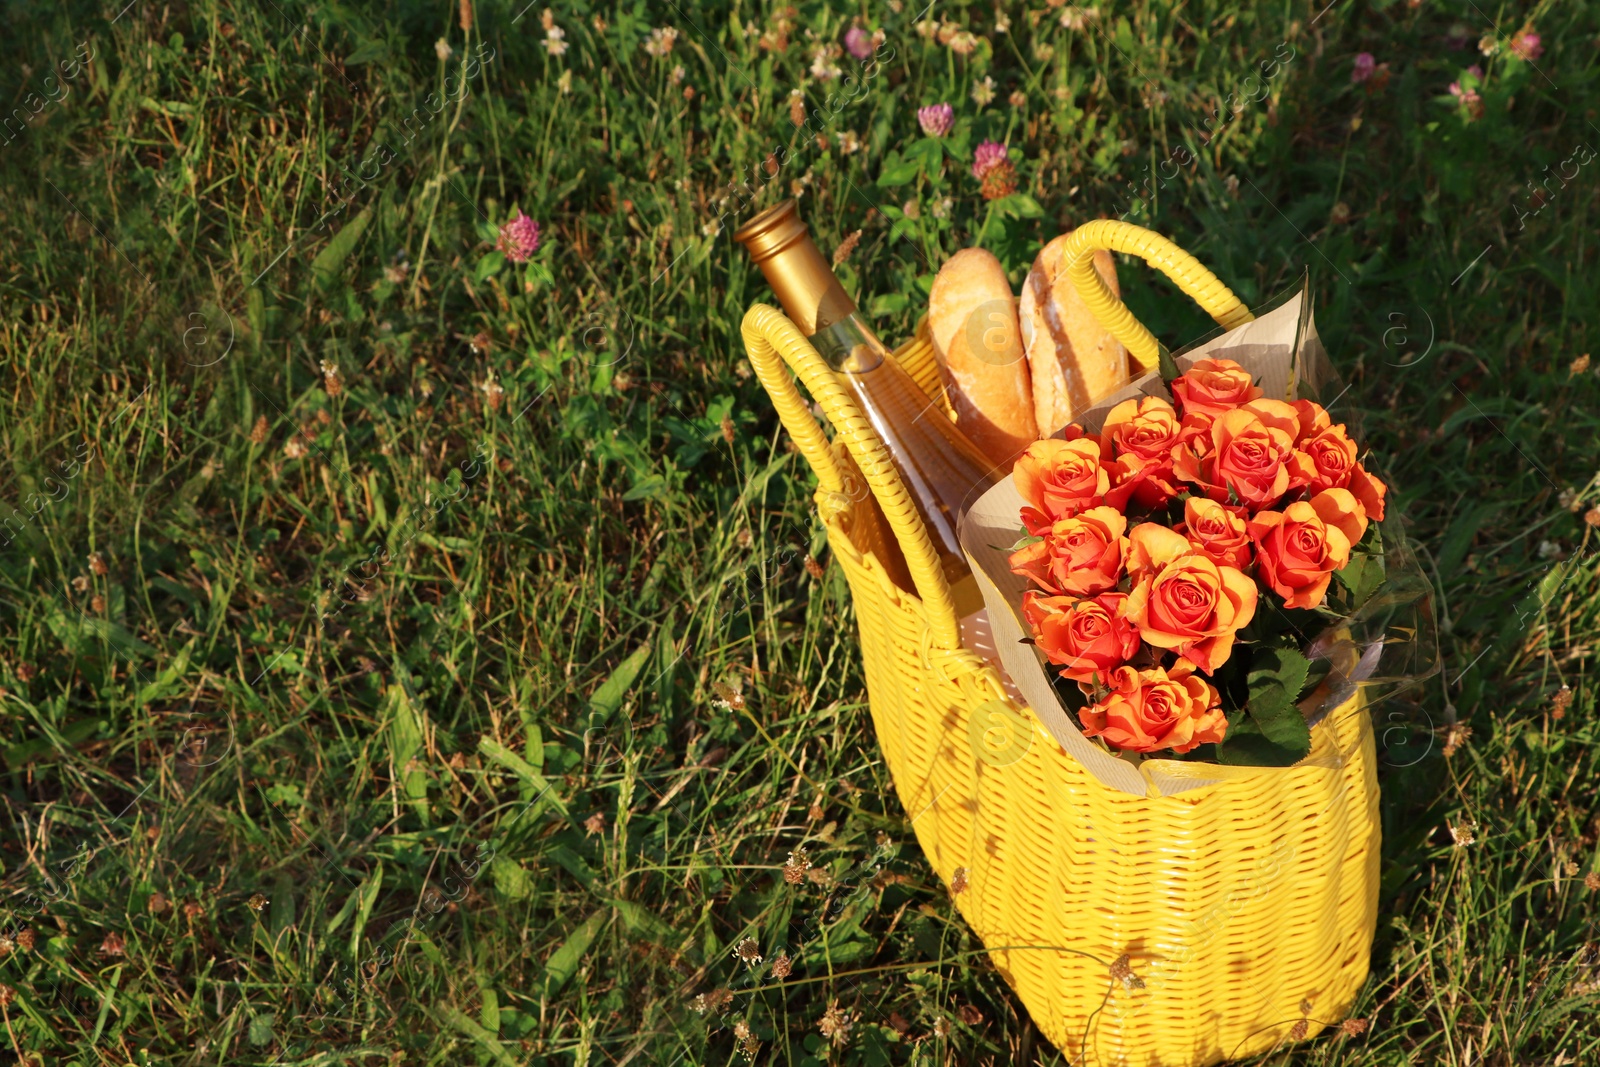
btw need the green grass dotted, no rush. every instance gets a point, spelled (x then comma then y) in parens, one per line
(593, 691)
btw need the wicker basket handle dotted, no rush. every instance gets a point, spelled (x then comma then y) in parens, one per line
(768, 337)
(1206, 289)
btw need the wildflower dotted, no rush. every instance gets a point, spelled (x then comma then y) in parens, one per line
(547, 19)
(330, 378)
(662, 38)
(775, 39)
(1122, 971)
(927, 28)
(1591, 881)
(782, 966)
(846, 246)
(1487, 45)
(1365, 65)
(257, 902)
(936, 119)
(969, 1014)
(113, 945)
(1017, 99)
(1454, 737)
(1578, 366)
(849, 143)
(677, 75)
(599, 23)
(595, 824)
(947, 32)
(835, 1025)
(519, 238)
(795, 867)
(564, 83)
(983, 92)
(821, 68)
(711, 228)
(1561, 702)
(554, 43)
(911, 209)
(25, 940)
(1002, 22)
(442, 49)
(1298, 1031)
(1527, 46)
(747, 952)
(97, 563)
(858, 42)
(958, 882)
(797, 107)
(989, 155)
(942, 206)
(1353, 1027)
(81, 583)
(1468, 95)
(1076, 18)
(1592, 516)
(1043, 52)
(1463, 835)
(964, 43)
(1000, 181)
(941, 1027)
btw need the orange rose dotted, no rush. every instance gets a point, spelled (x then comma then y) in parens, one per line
(1340, 508)
(1059, 479)
(1155, 709)
(1369, 490)
(1297, 550)
(1079, 556)
(1213, 386)
(1329, 457)
(1086, 637)
(1184, 601)
(1313, 418)
(1216, 531)
(1143, 434)
(1250, 453)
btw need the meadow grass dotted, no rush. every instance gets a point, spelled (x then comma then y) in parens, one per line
(411, 657)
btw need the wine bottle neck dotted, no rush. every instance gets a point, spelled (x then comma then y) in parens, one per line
(799, 274)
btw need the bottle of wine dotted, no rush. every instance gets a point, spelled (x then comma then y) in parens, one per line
(942, 469)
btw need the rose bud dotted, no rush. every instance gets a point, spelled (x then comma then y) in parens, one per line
(1183, 601)
(1213, 386)
(1059, 479)
(1087, 638)
(1297, 552)
(1079, 556)
(1155, 709)
(1217, 531)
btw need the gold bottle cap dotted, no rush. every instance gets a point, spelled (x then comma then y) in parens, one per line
(800, 276)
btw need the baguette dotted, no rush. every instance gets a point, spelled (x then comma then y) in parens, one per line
(1072, 359)
(972, 322)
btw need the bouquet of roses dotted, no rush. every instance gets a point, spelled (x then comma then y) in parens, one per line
(1186, 563)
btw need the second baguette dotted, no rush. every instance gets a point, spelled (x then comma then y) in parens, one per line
(1073, 359)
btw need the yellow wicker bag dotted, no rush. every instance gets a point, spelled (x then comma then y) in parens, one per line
(1148, 931)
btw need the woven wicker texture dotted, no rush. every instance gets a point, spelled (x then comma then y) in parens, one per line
(1246, 909)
